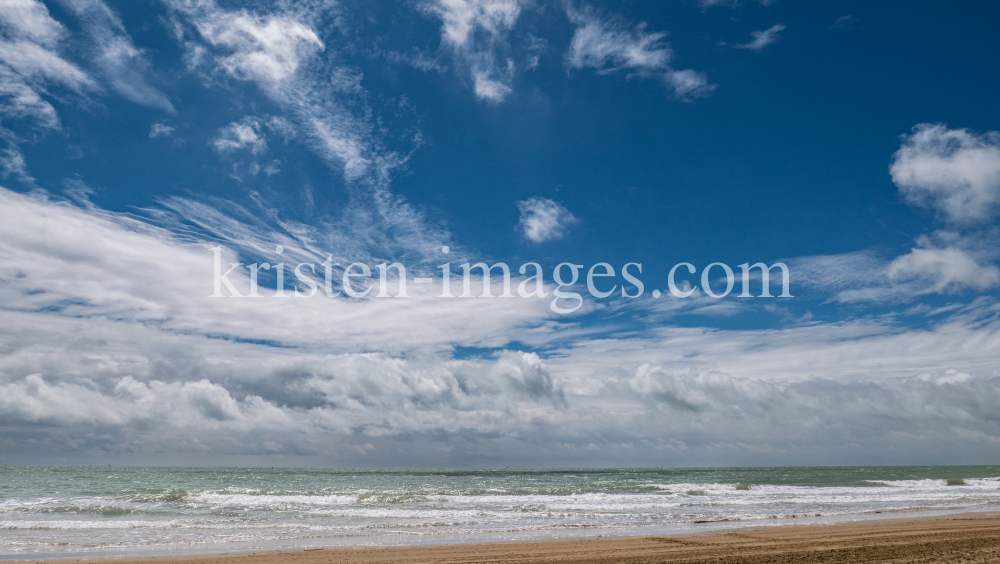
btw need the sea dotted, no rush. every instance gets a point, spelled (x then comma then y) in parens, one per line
(94, 511)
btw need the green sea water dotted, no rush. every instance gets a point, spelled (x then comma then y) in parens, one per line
(69, 511)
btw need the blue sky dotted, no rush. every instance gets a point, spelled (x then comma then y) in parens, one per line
(854, 141)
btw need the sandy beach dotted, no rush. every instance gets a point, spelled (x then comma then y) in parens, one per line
(970, 537)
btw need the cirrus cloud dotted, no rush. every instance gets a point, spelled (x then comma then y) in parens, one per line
(608, 44)
(544, 220)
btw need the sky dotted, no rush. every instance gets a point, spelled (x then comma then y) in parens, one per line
(146, 144)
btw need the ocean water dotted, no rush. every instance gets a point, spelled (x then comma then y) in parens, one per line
(98, 511)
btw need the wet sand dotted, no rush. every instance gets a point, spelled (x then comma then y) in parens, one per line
(970, 537)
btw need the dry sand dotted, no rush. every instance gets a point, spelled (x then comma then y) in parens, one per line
(971, 537)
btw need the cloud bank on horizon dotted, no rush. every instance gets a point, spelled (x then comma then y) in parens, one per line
(137, 139)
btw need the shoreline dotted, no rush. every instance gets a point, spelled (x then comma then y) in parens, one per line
(959, 537)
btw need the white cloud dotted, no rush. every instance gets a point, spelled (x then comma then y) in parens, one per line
(543, 219)
(109, 338)
(688, 83)
(268, 50)
(342, 145)
(476, 31)
(462, 18)
(282, 127)
(122, 64)
(30, 66)
(161, 130)
(242, 144)
(526, 374)
(608, 45)
(279, 53)
(39, 65)
(873, 348)
(243, 135)
(535, 47)
(29, 62)
(65, 249)
(107, 324)
(832, 273)
(492, 90)
(416, 59)
(954, 171)
(12, 162)
(763, 38)
(35, 38)
(18, 100)
(694, 405)
(947, 269)
(848, 22)
(31, 20)
(944, 263)
(128, 401)
(33, 69)
(322, 104)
